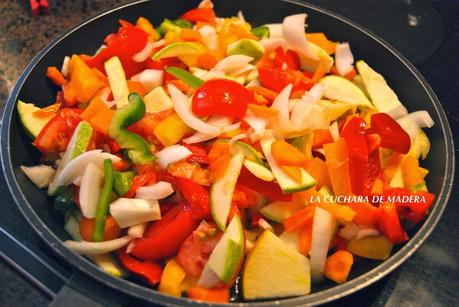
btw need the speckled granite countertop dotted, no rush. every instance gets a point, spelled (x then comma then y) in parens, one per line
(430, 276)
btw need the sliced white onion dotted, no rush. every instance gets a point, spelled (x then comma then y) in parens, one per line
(143, 54)
(65, 66)
(334, 131)
(97, 248)
(272, 43)
(90, 190)
(182, 108)
(131, 211)
(420, 118)
(209, 37)
(293, 30)
(309, 116)
(213, 74)
(215, 120)
(232, 63)
(314, 94)
(240, 15)
(150, 78)
(254, 82)
(77, 180)
(320, 150)
(281, 104)
(172, 154)
(349, 231)
(77, 166)
(206, 4)
(367, 232)
(136, 231)
(264, 225)
(159, 43)
(159, 190)
(322, 231)
(40, 175)
(236, 138)
(275, 30)
(344, 59)
(257, 123)
(246, 68)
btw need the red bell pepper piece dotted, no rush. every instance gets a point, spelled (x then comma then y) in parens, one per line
(269, 189)
(354, 134)
(414, 211)
(374, 162)
(290, 58)
(140, 181)
(200, 14)
(198, 154)
(164, 237)
(56, 134)
(148, 270)
(197, 197)
(392, 134)
(128, 41)
(389, 223)
(277, 78)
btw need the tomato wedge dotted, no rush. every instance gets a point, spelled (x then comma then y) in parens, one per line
(221, 96)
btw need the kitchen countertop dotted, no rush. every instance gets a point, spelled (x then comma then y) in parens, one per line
(430, 276)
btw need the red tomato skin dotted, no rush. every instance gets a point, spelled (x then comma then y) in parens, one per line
(164, 237)
(221, 96)
(195, 250)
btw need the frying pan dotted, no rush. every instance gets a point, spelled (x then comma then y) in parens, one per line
(410, 86)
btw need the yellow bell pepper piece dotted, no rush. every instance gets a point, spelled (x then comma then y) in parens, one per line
(378, 248)
(172, 277)
(411, 172)
(84, 82)
(171, 130)
(145, 24)
(343, 214)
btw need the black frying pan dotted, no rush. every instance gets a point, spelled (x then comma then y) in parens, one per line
(412, 89)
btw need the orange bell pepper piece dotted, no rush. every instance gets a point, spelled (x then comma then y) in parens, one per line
(299, 219)
(99, 115)
(337, 161)
(365, 213)
(136, 87)
(83, 80)
(209, 295)
(411, 172)
(321, 137)
(317, 168)
(287, 154)
(305, 239)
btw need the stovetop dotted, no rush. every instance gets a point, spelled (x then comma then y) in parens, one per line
(427, 32)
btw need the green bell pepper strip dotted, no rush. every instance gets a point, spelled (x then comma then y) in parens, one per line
(261, 32)
(123, 182)
(102, 208)
(182, 23)
(185, 76)
(138, 150)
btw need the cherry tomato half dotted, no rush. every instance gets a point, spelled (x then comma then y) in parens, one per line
(221, 96)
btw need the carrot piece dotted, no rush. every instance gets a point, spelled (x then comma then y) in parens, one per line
(365, 213)
(189, 35)
(111, 230)
(218, 167)
(292, 171)
(95, 106)
(55, 75)
(136, 87)
(411, 172)
(207, 60)
(338, 266)
(321, 137)
(337, 161)
(305, 239)
(102, 120)
(70, 95)
(299, 219)
(209, 295)
(262, 111)
(321, 70)
(263, 91)
(218, 149)
(287, 154)
(317, 168)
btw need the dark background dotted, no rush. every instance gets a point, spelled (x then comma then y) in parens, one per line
(427, 32)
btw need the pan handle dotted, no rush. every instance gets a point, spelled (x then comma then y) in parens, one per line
(80, 290)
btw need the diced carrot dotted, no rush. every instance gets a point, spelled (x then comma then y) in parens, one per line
(136, 87)
(411, 172)
(321, 70)
(207, 60)
(321, 137)
(260, 100)
(218, 149)
(179, 84)
(305, 239)
(70, 95)
(263, 91)
(111, 229)
(317, 168)
(366, 213)
(95, 106)
(287, 154)
(102, 120)
(189, 35)
(47, 111)
(337, 161)
(262, 111)
(299, 219)
(338, 266)
(218, 167)
(55, 75)
(209, 295)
